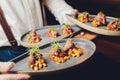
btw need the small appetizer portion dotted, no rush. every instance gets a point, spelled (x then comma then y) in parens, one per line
(84, 17)
(75, 52)
(99, 20)
(52, 33)
(66, 29)
(114, 25)
(71, 49)
(32, 37)
(56, 54)
(35, 59)
(69, 44)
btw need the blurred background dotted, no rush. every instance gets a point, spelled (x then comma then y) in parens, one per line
(108, 7)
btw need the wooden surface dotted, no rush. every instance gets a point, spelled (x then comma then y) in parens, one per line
(87, 35)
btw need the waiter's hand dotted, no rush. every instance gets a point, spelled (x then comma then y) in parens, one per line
(75, 12)
(5, 67)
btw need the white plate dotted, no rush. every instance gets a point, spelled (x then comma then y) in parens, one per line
(45, 39)
(88, 48)
(100, 30)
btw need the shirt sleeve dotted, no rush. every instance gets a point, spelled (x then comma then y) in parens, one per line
(59, 8)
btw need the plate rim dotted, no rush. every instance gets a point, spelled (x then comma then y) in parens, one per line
(93, 29)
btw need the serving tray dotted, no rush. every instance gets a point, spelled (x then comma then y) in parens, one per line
(99, 30)
(45, 39)
(88, 48)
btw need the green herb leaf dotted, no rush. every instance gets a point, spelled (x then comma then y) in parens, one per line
(65, 25)
(84, 12)
(52, 29)
(55, 45)
(29, 36)
(35, 51)
(118, 19)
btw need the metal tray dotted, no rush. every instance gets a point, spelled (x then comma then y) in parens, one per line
(88, 48)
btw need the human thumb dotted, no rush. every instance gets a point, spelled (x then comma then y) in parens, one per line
(6, 66)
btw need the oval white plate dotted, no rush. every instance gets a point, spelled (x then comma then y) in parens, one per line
(45, 39)
(88, 48)
(100, 30)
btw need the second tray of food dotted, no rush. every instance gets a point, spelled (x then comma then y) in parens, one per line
(100, 23)
(48, 34)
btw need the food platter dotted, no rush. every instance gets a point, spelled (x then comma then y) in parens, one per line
(99, 30)
(45, 39)
(88, 48)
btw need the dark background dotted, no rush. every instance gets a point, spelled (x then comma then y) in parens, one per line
(99, 66)
(108, 7)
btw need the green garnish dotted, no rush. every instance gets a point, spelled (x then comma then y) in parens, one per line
(84, 12)
(29, 36)
(100, 13)
(118, 19)
(52, 29)
(55, 45)
(35, 51)
(66, 25)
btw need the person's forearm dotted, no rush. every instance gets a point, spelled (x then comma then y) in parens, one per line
(59, 8)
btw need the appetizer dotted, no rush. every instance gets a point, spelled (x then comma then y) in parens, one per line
(56, 54)
(99, 20)
(32, 37)
(84, 17)
(66, 29)
(114, 25)
(69, 44)
(52, 33)
(75, 52)
(71, 49)
(35, 59)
